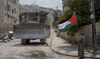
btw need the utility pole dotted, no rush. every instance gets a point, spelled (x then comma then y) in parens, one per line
(92, 10)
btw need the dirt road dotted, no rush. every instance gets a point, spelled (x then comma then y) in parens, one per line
(15, 50)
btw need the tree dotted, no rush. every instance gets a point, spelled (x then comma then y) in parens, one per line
(82, 9)
(97, 9)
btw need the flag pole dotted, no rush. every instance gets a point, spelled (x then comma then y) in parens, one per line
(77, 22)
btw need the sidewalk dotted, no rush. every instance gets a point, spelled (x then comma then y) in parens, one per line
(62, 47)
(72, 51)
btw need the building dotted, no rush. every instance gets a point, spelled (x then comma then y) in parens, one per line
(65, 4)
(9, 14)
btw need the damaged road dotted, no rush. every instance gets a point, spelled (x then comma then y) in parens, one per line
(15, 50)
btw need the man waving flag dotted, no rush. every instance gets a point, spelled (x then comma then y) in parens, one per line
(67, 23)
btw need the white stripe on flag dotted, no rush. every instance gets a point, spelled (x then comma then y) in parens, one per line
(63, 25)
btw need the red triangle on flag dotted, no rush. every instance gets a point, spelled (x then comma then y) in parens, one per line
(73, 19)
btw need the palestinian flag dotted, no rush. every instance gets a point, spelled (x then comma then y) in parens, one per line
(67, 23)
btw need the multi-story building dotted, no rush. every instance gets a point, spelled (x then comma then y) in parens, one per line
(9, 14)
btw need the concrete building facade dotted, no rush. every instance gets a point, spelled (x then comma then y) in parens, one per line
(9, 14)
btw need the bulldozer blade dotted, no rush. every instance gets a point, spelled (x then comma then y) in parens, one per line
(31, 31)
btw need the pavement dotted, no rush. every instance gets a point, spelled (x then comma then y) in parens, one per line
(13, 49)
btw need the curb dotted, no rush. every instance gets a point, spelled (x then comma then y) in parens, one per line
(63, 53)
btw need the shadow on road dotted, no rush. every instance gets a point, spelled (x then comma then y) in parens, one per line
(30, 44)
(93, 56)
(68, 48)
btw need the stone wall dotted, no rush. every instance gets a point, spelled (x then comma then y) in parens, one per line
(88, 35)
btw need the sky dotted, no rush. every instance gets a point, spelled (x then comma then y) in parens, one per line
(44, 3)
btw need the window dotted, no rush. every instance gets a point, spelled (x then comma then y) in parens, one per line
(5, 7)
(12, 11)
(14, 1)
(5, 14)
(8, 16)
(8, 7)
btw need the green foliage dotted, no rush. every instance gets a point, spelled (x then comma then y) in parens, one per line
(97, 10)
(20, 19)
(81, 7)
(72, 30)
(55, 24)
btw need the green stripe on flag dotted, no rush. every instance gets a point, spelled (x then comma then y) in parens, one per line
(67, 27)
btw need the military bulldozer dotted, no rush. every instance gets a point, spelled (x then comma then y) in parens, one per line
(32, 28)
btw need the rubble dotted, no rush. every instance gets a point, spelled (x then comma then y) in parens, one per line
(4, 38)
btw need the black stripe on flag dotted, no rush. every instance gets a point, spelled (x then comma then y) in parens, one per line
(65, 19)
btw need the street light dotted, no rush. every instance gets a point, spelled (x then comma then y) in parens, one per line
(92, 16)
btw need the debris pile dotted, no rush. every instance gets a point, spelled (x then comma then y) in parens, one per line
(3, 37)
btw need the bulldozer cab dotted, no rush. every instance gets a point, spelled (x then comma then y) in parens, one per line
(33, 17)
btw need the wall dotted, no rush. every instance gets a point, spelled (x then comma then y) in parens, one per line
(88, 35)
(1, 14)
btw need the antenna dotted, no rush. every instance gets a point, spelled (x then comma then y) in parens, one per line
(57, 11)
(57, 8)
